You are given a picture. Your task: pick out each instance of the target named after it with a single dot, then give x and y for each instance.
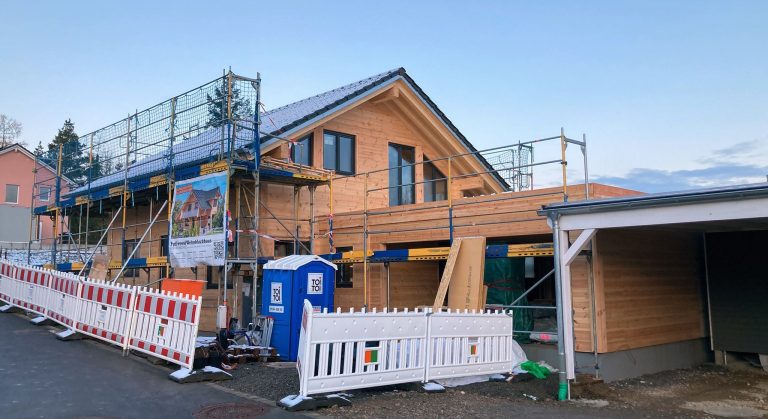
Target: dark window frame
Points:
(399, 187)
(130, 272)
(434, 181)
(345, 272)
(310, 140)
(337, 150)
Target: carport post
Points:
(563, 390)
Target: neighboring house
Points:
(199, 209)
(17, 184)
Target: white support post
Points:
(567, 304)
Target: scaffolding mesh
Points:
(212, 122)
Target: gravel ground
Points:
(706, 391)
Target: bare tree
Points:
(10, 130)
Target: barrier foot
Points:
(498, 378)
(295, 403)
(186, 375)
(432, 388)
(41, 321)
(68, 335)
(9, 309)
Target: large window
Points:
(302, 151)
(12, 194)
(339, 152)
(401, 174)
(435, 184)
(45, 193)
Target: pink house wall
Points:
(16, 168)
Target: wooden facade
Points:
(618, 303)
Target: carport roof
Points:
(725, 193)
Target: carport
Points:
(671, 271)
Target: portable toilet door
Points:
(287, 283)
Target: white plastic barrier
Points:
(165, 325)
(6, 276)
(64, 298)
(30, 288)
(344, 351)
(105, 311)
(464, 343)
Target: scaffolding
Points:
(113, 188)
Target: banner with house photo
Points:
(198, 234)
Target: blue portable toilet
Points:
(287, 283)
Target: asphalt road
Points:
(42, 377)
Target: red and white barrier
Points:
(64, 298)
(30, 289)
(165, 325)
(155, 322)
(105, 311)
(6, 278)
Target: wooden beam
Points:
(577, 245)
(445, 281)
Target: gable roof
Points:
(283, 122)
(20, 148)
(285, 119)
(203, 196)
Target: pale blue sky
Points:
(671, 94)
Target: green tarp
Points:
(505, 278)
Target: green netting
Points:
(505, 278)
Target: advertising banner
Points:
(198, 234)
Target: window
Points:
(435, 184)
(344, 271)
(128, 246)
(339, 152)
(401, 174)
(12, 194)
(302, 151)
(45, 193)
(286, 248)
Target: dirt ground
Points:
(706, 391)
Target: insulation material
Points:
(466, 290)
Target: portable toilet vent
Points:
(287, 283)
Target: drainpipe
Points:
(562, 390)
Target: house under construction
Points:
(371, 175)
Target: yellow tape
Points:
(218, 166)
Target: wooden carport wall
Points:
(587, 222)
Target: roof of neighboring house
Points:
(283, 121)
(204, 196)
(29, 154)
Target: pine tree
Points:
(74, 161)
(217, 105)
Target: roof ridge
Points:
(340, 88)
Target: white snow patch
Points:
(432, 387)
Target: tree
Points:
(10, 130)
(39, 150)
(217, 105)
(74, 162)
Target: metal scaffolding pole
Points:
(256, 178)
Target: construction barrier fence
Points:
(159, 323)
(350, 350)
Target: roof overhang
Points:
(741, 202)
